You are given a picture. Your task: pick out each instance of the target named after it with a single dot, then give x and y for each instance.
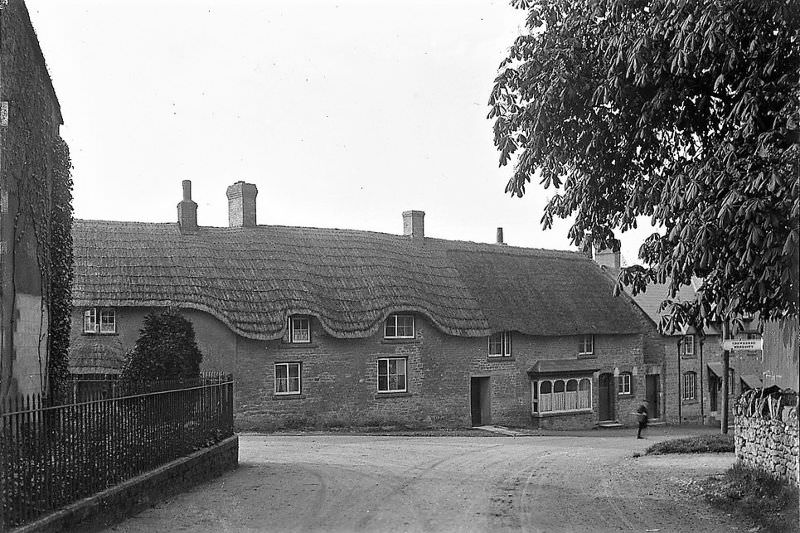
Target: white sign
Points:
(741, 345)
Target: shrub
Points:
(165, 350)
(698, 444)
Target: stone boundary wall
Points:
(768, 442)
(110, 506)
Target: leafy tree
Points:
(165, 349)
(685, 112)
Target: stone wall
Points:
(767, 438)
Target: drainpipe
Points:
(680, 381)
(702, 409)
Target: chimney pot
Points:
(414, 225)
(187, 210)
(187, 190)
(500, 236)
(242, 205)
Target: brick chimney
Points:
(187, 210)
(610, 257)
(414, 225)
(500, 236)
(242, 205)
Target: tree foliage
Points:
(685, 112)
(166, 349)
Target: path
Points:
(368, 483)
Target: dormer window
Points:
(299, 329)
(97, 320)
(399, 326)
(586, 345)
(500, 344)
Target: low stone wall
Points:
(130, 497)
(766, 435)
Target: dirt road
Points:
(367, 483)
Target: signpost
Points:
(741, 345)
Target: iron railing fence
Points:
(51, 456)
(82, 389)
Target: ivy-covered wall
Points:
(35, 215)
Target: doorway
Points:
(652, 394)
(480, 399)
(607, 391)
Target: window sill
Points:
(288, 396)
(625, 394)
(688, 356)
(587, 356)
(85, 334)
(381, 395)
(298, 345)
(500, 357)
(689, 402)
(408, 340)
(562, 413)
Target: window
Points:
(90, 321)
(399, 327)
(624, 383)
(299, 329)
(586, 346)
(392, 374)
(689, 386)
(287, 378)
(561, 395)
(688, 345)
(500, 344)
(96, 320)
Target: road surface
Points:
(370, 483)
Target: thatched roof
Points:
(96, 355)
(253, 278)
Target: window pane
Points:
(383, 383)
(559, 386)
(300, 330)
(383, 367)
(391, 326)
(572, 385)
(405, 326)
(547, 387)
(507, 339)
(495, 344)
(294, 371)
(107, 321)
(90, 321)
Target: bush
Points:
(166, 350)
(698, 444)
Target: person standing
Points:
(641, 414)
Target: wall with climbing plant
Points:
(35, 216)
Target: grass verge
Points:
(697, 444)
(755, 495)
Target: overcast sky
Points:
(343, 113)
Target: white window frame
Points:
(689, 389)
(688, 345)
(289, 380)
(624, 385)
(546, 403)
(501, 340)
(93, 321)
(393, 320)
(582, 348)
(293, 322)
(388, 361)
(102, 324)
(90, 317)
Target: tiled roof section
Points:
(656, 293)
(253, 278)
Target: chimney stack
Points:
(414, 225)
(610, 257)
(187, 210)
(242, 205)
(500, 236)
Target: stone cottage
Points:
(693, 363)
(332, 326)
